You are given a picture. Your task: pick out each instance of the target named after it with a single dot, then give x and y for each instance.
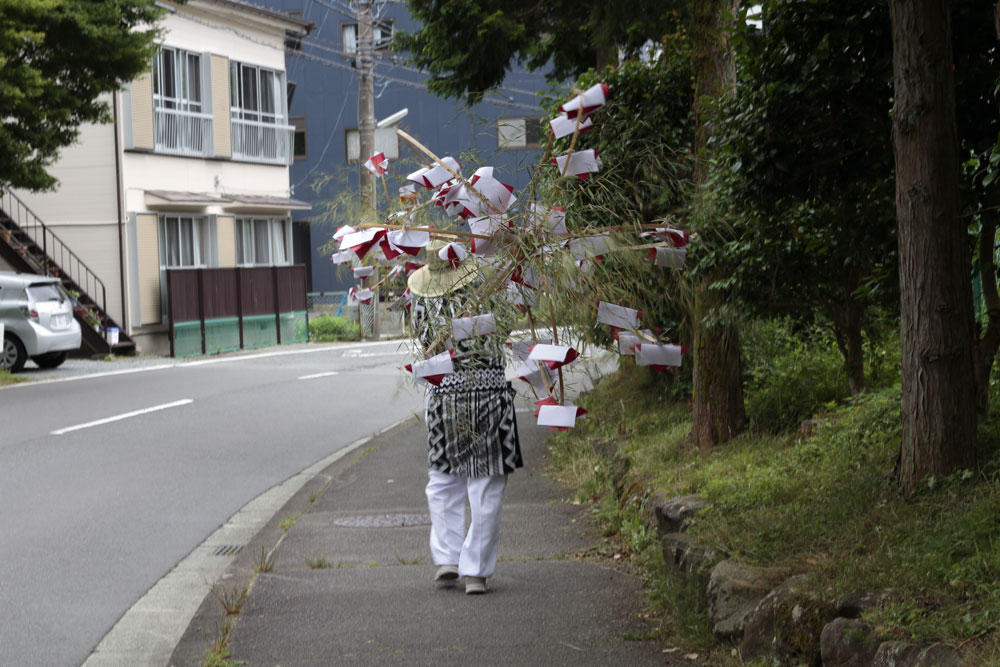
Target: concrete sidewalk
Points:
(352, 578)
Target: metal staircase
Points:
(29, 246)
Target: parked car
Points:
(37, 321)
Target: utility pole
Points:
(366, 127)
(366, 103)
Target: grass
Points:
(6, 377)
(231, 599)
(409, 561)
(828, 505)
(322, 564)
(264, 560)
(218, 654)
(370, 450)
(331, 328)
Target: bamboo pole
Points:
(451, 171)
(388, 199)
(541, 370)
(576, 134)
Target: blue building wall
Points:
(326, 94)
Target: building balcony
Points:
(183, 132)
(254, 141)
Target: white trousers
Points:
(475, 553)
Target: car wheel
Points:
(12, 354)
(50, 360)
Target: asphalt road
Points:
(107, 482)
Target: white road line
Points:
(126, 415)
(335, 347)
(364, 355)
(90, 376)
(319, 375)
(264, 355)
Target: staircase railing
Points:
(58, 259)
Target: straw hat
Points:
(437, 277)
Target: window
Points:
(177, 80)
(183, 240)
(259, 129)
(515, 133)
(261, 241)
(386, 141)
(180, 124)
(382, 35)
(293, 39)
(256, 94)
(299, 143)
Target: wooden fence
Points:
(222, 310)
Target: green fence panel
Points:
(187, 339)
(222, 335)
(294, 327)
(259, 331)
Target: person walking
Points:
(472, 441)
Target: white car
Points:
(37, 321)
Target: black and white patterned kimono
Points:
(471, 428)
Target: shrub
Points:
(329, 328)
(789, 375)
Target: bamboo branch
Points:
(431, 230)
(541, 370)
(385, 187)
(576, 134)
(451, 171)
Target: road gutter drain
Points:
(228, 550)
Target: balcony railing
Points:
(254, 141)
(183, 132)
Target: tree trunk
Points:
(850, 342)
(847, 321)
(985, 350)
(718, 411)
(938, 405)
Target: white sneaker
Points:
(475, 585)
(446, 573)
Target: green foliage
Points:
(788, 377)
(330, 328)
(773, 504)
(469, 46)
(643, 136)
(321, 563)
(829, 505)
(806, 177)
(57, 60)
(6, 377)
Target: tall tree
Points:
(57, 59)
(719, 413)
(469, 45)
(808, 173)
(976, 60)
(938, 404)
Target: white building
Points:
(194, 172)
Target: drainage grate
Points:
(228, 550)
(384, 520)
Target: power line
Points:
(341, 9)
(385, 60)
(330, 47)
(412, 84)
